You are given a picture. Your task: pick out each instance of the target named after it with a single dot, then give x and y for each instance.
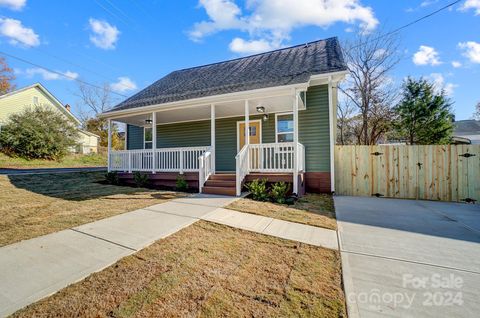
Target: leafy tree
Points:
(38, 133)
(99, 127)
(424, 115)
(6, 77)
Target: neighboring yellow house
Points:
(35, 96)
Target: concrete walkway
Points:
(283, 229)
(406, 258)
(33, 269)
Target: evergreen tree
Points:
(423, 115)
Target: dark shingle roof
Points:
(287, 66)
(467, 127)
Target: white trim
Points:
(332, 141)
(154, 140)
(144, 142)
(212, 136)
(109, 144)
(276, 120)
(126, 137)
(205, 101)
(295, 142)
(238, 131)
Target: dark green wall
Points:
(313, 134)
(314, 130)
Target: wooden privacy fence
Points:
(440, 172)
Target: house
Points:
(37, 95)
(467, 132)
(194, 122)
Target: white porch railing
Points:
(241, 160)
(181, 160)
(205, 163)
(271, 157)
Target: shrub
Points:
(258, 189)
(112, 177)
(279, 191)
(141, 179)
(38, 133)
(181, 184)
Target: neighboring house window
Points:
(35, 100)
(147, 138)
(284, 128)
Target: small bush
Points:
(38, 133)
(279, 191)
(181, 184)
(258, 189)
(112, 177)
(141, 179)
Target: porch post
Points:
(212, 135)
(125, 146)
(154, 141)
(247, 133)
(109, 146)
(295, 143)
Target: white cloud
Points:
(49, 76)
(456, 64)
(272, 21)
(13, 4)
(471, 50)
(242, 46)
(472, 4)
(104, 34)
(123, 85)
(17, 33)
(426, 55)
(428, 3)
(440, 84)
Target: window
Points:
(284, 127)
(35, 100)
(147, 138)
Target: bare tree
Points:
(370, 58)
(345, 111)
(94, 100)
(476, 115)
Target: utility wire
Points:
(408, 24)
(57, 72)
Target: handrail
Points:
(242, 170)
(205, 168)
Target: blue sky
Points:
(131, 43)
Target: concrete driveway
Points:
(406, 258)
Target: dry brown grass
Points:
(34, 205)
(311, 209)
(208, 270)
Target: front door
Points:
(255, 132)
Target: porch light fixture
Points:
(148, 121)
(260, 109)
(265, 117)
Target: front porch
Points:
(213, 152)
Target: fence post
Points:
(181, 161)
(129, 162)
(201, 174)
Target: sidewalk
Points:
(36, 268)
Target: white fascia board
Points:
(205, 101)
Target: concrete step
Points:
(223, 176)
(220, 190)
(220, 183)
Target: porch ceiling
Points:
(272, 105)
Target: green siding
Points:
(313, 134)
(314, 130)
(188, 134)
(134, 137)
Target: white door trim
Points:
(238, 131)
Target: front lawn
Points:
(311, 209)
(208, 270)
(33, 205)
(70, 161)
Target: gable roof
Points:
(56, 102)
(467, 127)
(293, 65)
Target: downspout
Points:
(332, 141)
